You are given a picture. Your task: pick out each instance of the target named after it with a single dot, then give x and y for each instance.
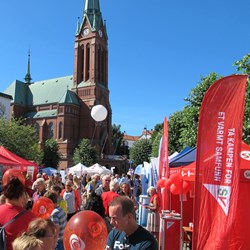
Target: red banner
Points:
(217, 164)
(187, 172)
(163, 169)
(163, 165)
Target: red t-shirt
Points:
(107, 197)
(16, 228)
(28, 187)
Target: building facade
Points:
(60, 108)
(5, 106)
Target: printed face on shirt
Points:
(117, 220)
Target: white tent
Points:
(78, 169)
(98, 169)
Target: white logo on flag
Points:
(245, 155)
(221, 194)
(247, 174)
(169, 224)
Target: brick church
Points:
(60, 108)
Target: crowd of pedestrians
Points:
(113, 197)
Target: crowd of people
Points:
(113, 197)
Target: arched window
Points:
(51, 130)
(60, 134)
(87, 63)
(81, 63)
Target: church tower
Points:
(90, 79)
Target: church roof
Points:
(42, 114)
(56, 90)
(69, 97)
(18, 91)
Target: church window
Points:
(87, 62)
(99, 65)
(60, 135)
(51, 130)
(82, 64)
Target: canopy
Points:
(11, 159)
(188, 171)
(6, 161)
(98, 169)
(184, 158)
(50, 171)
(78, 169)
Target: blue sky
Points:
(158, 50)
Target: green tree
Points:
(157, 129)
(156, 144)
(243, 66)
(140, 151)
(20, 139)
(191, 112)
(183, 125)
(175, 126)
(85, 153)
(118, 141)
(156, 138)
(51, 156)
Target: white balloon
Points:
(99, 113)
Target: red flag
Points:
(217, 170)
(164, 168)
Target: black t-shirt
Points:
(141, 239)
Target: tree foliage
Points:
(20, 138)
(51, 156)
(85, 153)
(140, 151)
(183, 125)
(156, 138)
(243, 66)
(118, 141)
(175, 126)
(156, 144)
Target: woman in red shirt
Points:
(153, 222)
(14, 192)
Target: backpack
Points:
(2, 231)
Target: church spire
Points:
(78, 26)
(92, 6)
(93, 13)
(27, 77)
